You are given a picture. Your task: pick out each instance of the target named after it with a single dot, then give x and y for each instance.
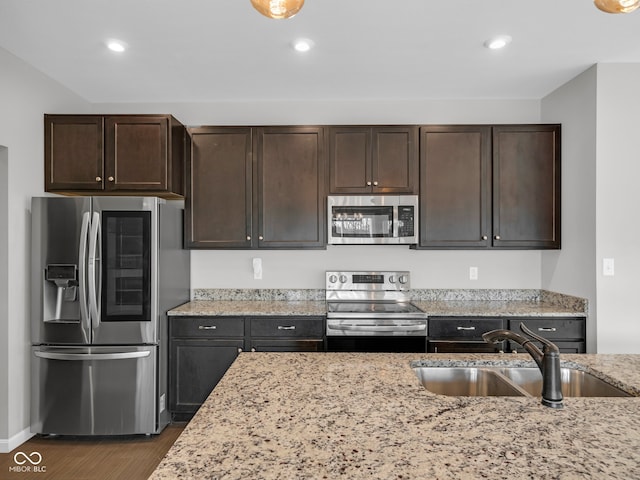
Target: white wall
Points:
(572, 269)
(305, 269)
(618, 225)
(4, 287)
(25, 95)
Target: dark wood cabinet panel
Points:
(201, 350)
(196, 368)
(490, 187)
(287, 334)
(74, 153)
(218, 209)
(365, 159)
(289, 190)
(569, 334)
(526, 186)
(119, 154)
(455, 186)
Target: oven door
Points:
(376, 335)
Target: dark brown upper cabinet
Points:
(218, 206)
(260, 187)
(380, 159)
(455, 186)
(526, 186)
(114, 154)
(490, 187)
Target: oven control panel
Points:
(387, 281)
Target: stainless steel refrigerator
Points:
(105, 270)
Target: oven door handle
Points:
(379, 328)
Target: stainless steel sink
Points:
(574, 383)
(467, 382)
(510, 381)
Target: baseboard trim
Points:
(8, 444)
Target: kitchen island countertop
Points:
(350, 415)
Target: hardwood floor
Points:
(130, 458)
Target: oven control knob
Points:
(403, 279)
(343, 279)
(392, 279)
(333, 279)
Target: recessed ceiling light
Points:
(116, 46)
(303, 45)
(498, 42)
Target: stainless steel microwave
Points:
(372, 219)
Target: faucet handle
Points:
(548, 345)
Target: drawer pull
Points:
(286, 327)
(466, 328)
(207, 327)
(547, 329)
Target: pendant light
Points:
(617, 6)
(278, 8)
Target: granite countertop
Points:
(514, 308)
(431, 307)
(250, 308)
(352, 416)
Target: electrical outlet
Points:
(473, 273)
(608, 267)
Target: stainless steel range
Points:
(372, 311)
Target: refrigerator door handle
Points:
(82, 280)
(91, 356)
(94, 260)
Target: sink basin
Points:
(466, 382)
(510, 381)
(575, 383)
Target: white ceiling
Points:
(223, 50)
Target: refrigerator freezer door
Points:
(94, 390)
(59, 229)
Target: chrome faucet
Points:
(548, 360)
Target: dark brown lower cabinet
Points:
(203, 348)
(201, 351)
(287, 334)
(569, 333)
(462, 335)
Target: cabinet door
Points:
(455, 186)
(350, 160)
(73, 153)
(137, 153)
(394, 160)
(290, 193)
(196, 368)
(218, 203)
(526, 182)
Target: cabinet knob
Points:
(111, 179)
(375, 184)
(239, 350)
(248, 237)
(98, 179)
(484, 237)
(368, 184)
(260, 237)
(253, 349)
(497, 237)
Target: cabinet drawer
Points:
(461, 327)
(207, 327)
(552, 328)
(312, 327)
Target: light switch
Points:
(608, 267)
(257, 269)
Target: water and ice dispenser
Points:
(60, 291)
